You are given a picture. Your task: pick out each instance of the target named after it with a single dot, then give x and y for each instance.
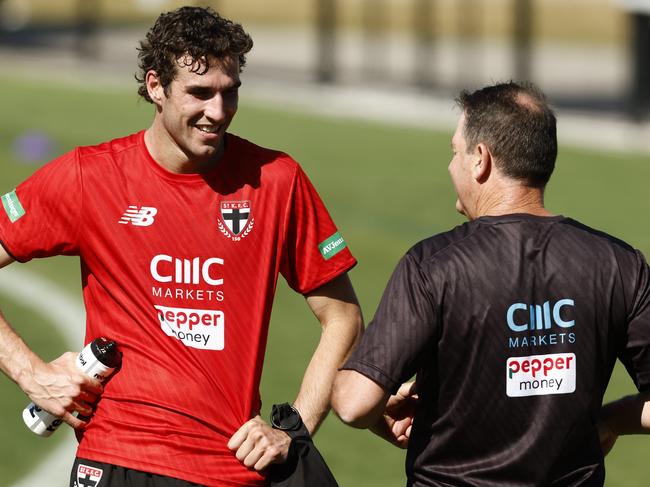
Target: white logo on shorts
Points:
(88, 476)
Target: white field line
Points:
(67, 315)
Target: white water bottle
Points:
(98, 359)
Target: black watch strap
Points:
(287, 418)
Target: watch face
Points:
(285, 417)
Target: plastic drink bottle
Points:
(98, 359)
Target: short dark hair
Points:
(518, 126)
(193, 31)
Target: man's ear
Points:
(154, 87)
(482, 164)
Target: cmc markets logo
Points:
(165, 268)
(538, 317)
(539, 375)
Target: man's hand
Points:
(396, 422)
(257, 445)
(60, 388)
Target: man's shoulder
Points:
(115, 159)
(431, 247)
(86, 157)
(462, 237)
(594, 235)
(109, 148)
(259, 155)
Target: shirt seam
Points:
(287, 211)
(350, 366)
(80, 222)
(331, 275)
(4, 246)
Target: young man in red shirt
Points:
(182, 230)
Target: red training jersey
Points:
(180, 270)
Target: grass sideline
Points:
(386, 187)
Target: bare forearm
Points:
(358, 400)
(58, 387)
(337, 309)
(336, 342)
(629, 415)
(17, 360)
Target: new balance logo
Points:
(142, 217)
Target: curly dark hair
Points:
(516, 122)
(193, 31)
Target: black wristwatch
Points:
(287, 418)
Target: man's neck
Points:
(170, 156)
(512, 199)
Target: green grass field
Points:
(386, 186)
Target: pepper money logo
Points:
(196, 328)
(540, 375)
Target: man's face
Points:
(460, 169)
(197, 109)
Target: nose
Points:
(215, 108)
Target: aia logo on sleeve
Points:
(140, 217)
(235, 220)
(88, 476)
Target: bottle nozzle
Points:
(106, 352)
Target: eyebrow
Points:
(236, 85)
(200, 87)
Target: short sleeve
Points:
(402, 332)
(635, 353)
(315, 252)
(41, 217)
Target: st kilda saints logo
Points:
(88, 476)
(235, 220)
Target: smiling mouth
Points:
(208, 129)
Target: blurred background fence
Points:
(586, 54)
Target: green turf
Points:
(386, 187)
